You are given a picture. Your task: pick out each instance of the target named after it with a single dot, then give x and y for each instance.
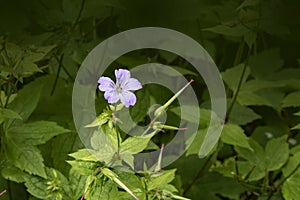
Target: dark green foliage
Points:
(254, 43)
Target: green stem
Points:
(79, 14)
(239, 53)
(57, 74)
(234, 98)
(266, 181)
(288, 176)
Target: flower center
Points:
(118, 88)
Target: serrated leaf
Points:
(272, 158)
(161, 179)
(136, 144)
(84, 155)
(13, 174)
(28, 64)
(25, 157)
(27, 100)
(84, 168)
(103, 146)
(234, 135)
(35, 133)
(41, 189)
(100, 120)
(77, 183)
(8, 114)
(102, 189)
(133, 183)
(62, 145)
(291, 187)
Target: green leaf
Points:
(84, 168)
(236, 31)
(63, 145)
(252, 99)
(8, 114)
(272, 158)
(35, 133)
(291, 100)
(104, 147)
(197, 142)
(77, 183)
(291, 187)
(276, 153)
(296, 127)
(28, 64)
(256, 157)
(248, 3)
(242, 115)
(297, 113)
(232, 76)
(25, 157)
(157, 181)
(136, 144)
(265, 63)
(114, 177)
(84, 155)
(256, 84)
(133, 182)
(245, 169)
(12, 173)
(27, 99)
(234, 135)
(56, 186)
(102, 189)
(211, 184)
(100, 120)
(139, 110)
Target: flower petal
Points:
(106, 84)
(111, 96)
(122, 75)
(131, 84)
(127, 98)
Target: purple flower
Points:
(121, 90)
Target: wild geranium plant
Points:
(104, 163)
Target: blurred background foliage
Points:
(254, 43)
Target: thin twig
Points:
(57, 74)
